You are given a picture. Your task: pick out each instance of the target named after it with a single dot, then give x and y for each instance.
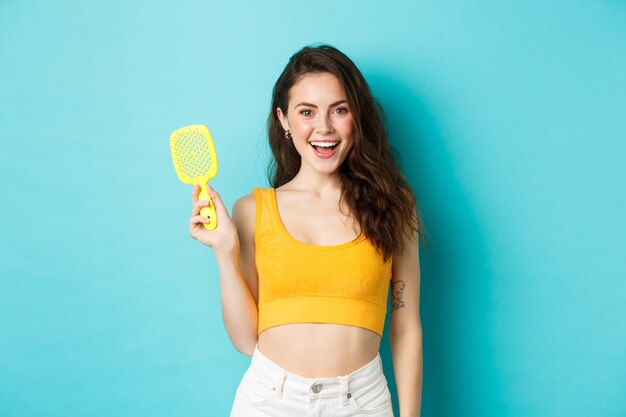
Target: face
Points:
(320, 121)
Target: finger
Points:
(220, 209)
(194, 193)
(202, 203)
(198, 206)
(194, 199)
(198, 219)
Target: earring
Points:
(288, 134)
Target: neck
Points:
(316, 181)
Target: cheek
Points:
(303, 128)
(346, 126)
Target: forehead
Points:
(320, 89)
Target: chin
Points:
(329, 170)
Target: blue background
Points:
(510, 119)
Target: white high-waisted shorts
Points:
(268, 390)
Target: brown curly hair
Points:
(373, 187)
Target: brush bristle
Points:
(192, 153)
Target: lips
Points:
(324, 149)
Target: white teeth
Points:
(324, 144)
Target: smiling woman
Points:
(322, 127)
(306, 265)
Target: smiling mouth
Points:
(323, 145)
(324, 149)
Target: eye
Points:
(305, 112)
(341, 110)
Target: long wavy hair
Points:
(373, 188)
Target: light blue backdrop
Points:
(511, 123)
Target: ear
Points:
(283, 118)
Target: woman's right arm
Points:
(232, 242)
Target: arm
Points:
(233, 244)
(244, 214)
(405, 331)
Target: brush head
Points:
(193, 154)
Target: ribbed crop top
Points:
(305, 283)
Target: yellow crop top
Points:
(304, 283)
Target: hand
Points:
(224, 237)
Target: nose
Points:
(324, 124)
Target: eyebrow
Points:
(313, 105)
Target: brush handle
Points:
(208, 212)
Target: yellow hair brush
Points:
(195, 162)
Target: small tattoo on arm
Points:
(396, 295)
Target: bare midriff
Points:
(319, 350)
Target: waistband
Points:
(282, 380)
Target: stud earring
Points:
(288, 134)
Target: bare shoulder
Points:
(245, 204)
(244, 212)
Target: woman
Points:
(305, 266)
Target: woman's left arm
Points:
(405, 331)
